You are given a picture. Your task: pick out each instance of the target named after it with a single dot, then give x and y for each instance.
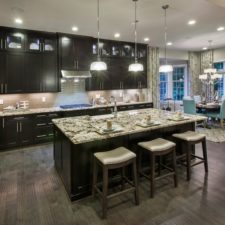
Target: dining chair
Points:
(220, 115)
(197, 99)
(189, 106)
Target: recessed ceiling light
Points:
(117, 35)
(146, 39)
(204, 48)
(74, 28)
(220, 28)
(18, 21)
(191, 22)
(169, 43)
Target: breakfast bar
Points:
(76, 139)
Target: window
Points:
(219, 85)
(174, 85)
(163, 86)
(178, 83)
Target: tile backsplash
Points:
(72, 93)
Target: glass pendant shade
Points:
(135, 67)
(98, 66)
(165, 69)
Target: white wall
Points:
(219, 54)
(174, 54)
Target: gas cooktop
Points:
(75, 106)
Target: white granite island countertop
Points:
(86, 128)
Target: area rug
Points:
(213, 134)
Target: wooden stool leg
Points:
(204, 149)
(95, 175)
(188, 160)
(159, 165)
(175, 167)
(122, 178)
(105, 191)
(139, 160)
(136, 193)
(152, 178)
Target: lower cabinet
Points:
(18, 131)
(43, 127)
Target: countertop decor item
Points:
(135, 67)
(98, 65)
(166, 68)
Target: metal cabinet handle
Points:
(17, 127)
(21, 127)
(2, 88)
(40, 136)
(1, 44)
(5, 44)
(77, 64)
(3, 122)
(6, 88)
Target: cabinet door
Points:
(26, 131)
(83, 54)
(33, 44)
(11, 132)
(2, 133)
(67, 53)
(50, 79)
(33, 72)
(117, 71)
(14, 79)
(15, 41)
(2, 71)
(49, 44)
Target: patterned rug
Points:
(213, 134)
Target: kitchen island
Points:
(77, 138)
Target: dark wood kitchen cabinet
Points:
(28, 61)
(2, 133)
(74, 52)
(14, 76)
(2, 71)
(18, 131)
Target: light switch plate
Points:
(1, 102)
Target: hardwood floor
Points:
(31, 193)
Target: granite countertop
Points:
(86, 128)
(58, 109)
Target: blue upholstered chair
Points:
(220, 115)
(189, 106)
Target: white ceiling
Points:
(117, 16)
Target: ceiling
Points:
(117, 16)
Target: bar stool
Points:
(114, 159)
(158, 147)
(188, 140)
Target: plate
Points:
(156, 123)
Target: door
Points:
(33, 72)
(83, 53)
(2, 133)
(11, 132)
(14, 79)
(67, 54)
(26, 131)
(50, 81)
(2, 72)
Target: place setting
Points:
(148, 122)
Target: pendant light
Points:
(166, 68)
(98, 65)
(135, 67)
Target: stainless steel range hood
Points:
(70, 74)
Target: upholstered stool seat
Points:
(118, 155)
(158, 148)
(118, 158)
(190, 136)
(157, 145)
(188, 140)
